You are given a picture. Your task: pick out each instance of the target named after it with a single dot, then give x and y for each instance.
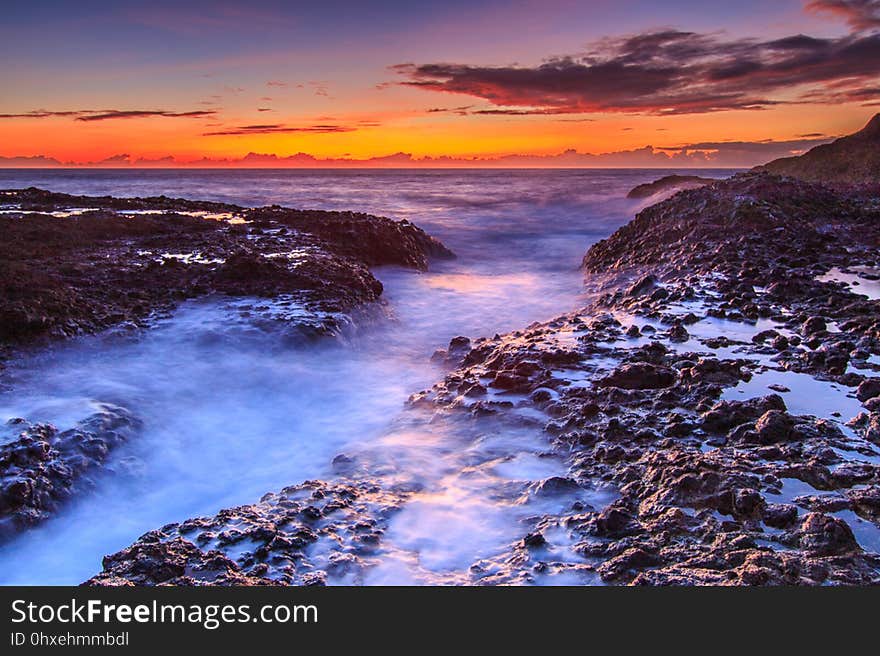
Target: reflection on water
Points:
(231, 412)
(480, 494)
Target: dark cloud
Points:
(141, 113)
(320, 88)
(859, 14)
(121, 158)
(108, 114)
(666, 72)
(277, 128)
(276, 83)
(461, 111)
(516, 112)
(40, 113)
(838, 94)
(265, 109)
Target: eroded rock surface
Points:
(41, 467)
(76, 264)
(709, 290)
(298, 536)
(73, 265)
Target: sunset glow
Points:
(162, 84)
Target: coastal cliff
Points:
(850, 160)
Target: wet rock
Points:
(459, 346)
(748, 504)
(668, 183)
(774, 426)
(639, 375)
(44, 467)
(725, 415)
(343, 463)
(626, 564)
(556, 486)
(780, 343)
(303, 535)
(780, 515)
(616, 521)
(872, 429)
(174, 562)
(814, 325)
(534, 540)
(853, 473)
(823, 535)
(104, 268)
(643, 285)
(678, 333)
(866, 502)
(868, 389)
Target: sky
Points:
(382, 83)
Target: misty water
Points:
(231, 411)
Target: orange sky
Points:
(152, 81)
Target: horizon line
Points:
(372, 168)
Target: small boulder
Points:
(868, 389)
(814, 325)
(639, 375)
(824, 535)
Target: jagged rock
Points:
(639, 375)
(868, 389)
(103, 268)
(43, 467)
(823, 535)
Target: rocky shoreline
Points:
(716, 403)
(712, 289)
(119, 261)
(723, 384)
(75, 265)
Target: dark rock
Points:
(42, 467)
(823, 535)
(642, 286)
(725, 415)
(668, 183)
(556, 486)
(780, 515)
(678, 333)
(616, 521)
(639, 375)
(102, 268)
(813, 325)
(868, 389)
(534, 540)
(774, 426)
